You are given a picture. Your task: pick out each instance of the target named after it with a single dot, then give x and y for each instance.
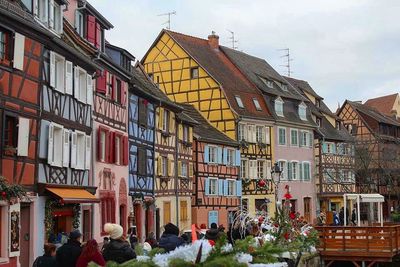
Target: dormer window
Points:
(267, 82)
(317, 102)
(239, 101)
(303, 112)
(279, 106)
(257, 104)
(194, 73)
(284, 87)
(318, 121)
(338, 125)
(79, 23)
(50, 13)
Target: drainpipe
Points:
(176, 172)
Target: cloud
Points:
(345, 49)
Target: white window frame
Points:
(295, 170)
(279, 107)
(242, 132)
(279, 136)
(103, 134)
(184, 169)
(257, 104)
(165, 120)
(57, 72)
(58, 17)
(56, 158)
(260, 130)
(239, 101)
(79, 22)
(305, 163)
(80, 89)
(283, 166)
(261, 169)
(230, 157)
(292, 135)
(117, 143)
(80, 150)
(244, 168)
(232, 183)
(253, 169)
(213, 154)
(164, 166)
(214, 182)
(302, 111)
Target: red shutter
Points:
(114, 88)
(91, 29)
(125, 150)
(107, 154)
(124, 89)
(98, 35)
(101, 82)
(99, 144)
(111, 154)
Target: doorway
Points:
(158, 224)
(25, 235)
(87, 233)
(122, 217)
(307, 209)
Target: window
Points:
(102, 134)
(282, 166)
(253, 169)
(142, 161)
(80, 84)
(118, 149)
(5, 47)
(10, 132)
(80, 150)
(317, 102)
(231, 187)
(213, 154)
(282, 136)
(55, 145)
(57, 71)
(241, 132)
(194, 73)
(306, 171)
(284, 87)
(295, 170)
(239, 101)
(338, 125)
(118, 91)
(279, 107)
(50, 14)
(267, 82)
(261, 169)
(303, 112)
(213, 186)
(58, 18)
(79, 23)
(164, 166)
(165, 120)
(329, 176)
(183, 210)
(142, 112)
(244, 169)
(260, 137)
(16, 135)
(257, 104)
(306, 139)
(251, 133)
(28, 4)
(318, 121)
(230, 157)
(185, 133)
(184, 169)
(294, 135)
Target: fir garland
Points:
(10, 191)
(51, 204)
(76, 221)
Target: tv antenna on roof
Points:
(169, 18)
(233, 40)
(288, 60)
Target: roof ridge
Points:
(186, 35)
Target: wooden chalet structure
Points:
(217, 187)
(334, 152)
(85, 27)
(377, 151)
(197, 71)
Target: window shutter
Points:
(60, 17)
(88, 152)
(111, 147)
(170, 167)
(206, 154)
(23, 137)
(219, 155)
(179, 168)
(190, 134)
(99, 144)
(160, 118)
(52, 69)
(237, 157)
(264, 163)
(324, 148)
(289, 164)
(180, 131)
(301, 176)
(98, 36)
(50, 144)
(43, 16)
(267, 135)
(74, 137)
(125, 150)
(225, 156)
(191, 169)
(19, 51)
(239, 188)
(51, 14)
(254, 133)
(206, 186)
(101, 81)
(171, 126)
(225, 187)
(114, 88)
(68, 77)
(124, 86)
(91, 29)
(89, 89)
(221, 188)
(36, 8)
(66, 148)
(76, 83)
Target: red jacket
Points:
(97, 258)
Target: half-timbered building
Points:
(197, 71)
(334, 153)
(86, 27)
(377, 151)
(217, 187)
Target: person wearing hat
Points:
(118, 249)
(67, 255)
(170, 239)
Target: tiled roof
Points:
(218, 65)
(383, 104)
(373, 113)
(329, 132)
(204, 131)
(302, 85)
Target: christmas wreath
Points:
(262, 184)
(50, 206)
(10, 191)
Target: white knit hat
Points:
(114, 230)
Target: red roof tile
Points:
(383, 104)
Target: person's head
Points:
(106, 240)
(171, 229)
(90, 249)
(214, 226)
(115, 231)
(132, 231)
(75, 235)
(50, 250)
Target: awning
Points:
(365, 198)
(73, 195)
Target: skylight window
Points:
(267, 82)
(239, 101)
(284, 87)
(257, 104)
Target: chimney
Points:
(213, 40)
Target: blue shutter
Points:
(206, 186)
(212, 217)
(333, 148)
(324, 148)
(206, 154)
(221, 187)
(219, 155)
(289, 164)
(225, 156)
(225, 187)
(301, 177)
(237, 157)
(239, 188)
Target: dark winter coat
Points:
(45, 261)
(213, 234)
(68, 254)
(170, 242)
(119, 251)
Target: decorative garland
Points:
(76, 222)
(10, 191)
(262, 184)
(52, 204)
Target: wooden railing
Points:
(353, 242)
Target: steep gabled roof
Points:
(329, 132)
(218, 65)
(373, 113)
(204, 131)
(383, 104)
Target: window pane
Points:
(239, 101)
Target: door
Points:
(167, 212)
(25, 235)
(122, 217)
(307, 209)
(86, 225)
(212, 217)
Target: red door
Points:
(25, 235)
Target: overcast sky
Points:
(346, 49)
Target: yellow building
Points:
(197, 71)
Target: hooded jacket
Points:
(68, 254)
(118, 251)
(170, 242)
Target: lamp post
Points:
(276, 173)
